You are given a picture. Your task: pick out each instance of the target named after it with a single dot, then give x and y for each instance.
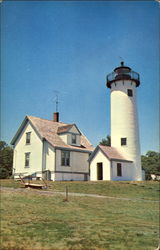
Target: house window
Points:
(123, 141)
(119, 169)
(73, 139)
(65, 158)
(130, 92)
(27, 159)
(28, 137)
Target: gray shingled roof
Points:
(110, 152)
(48, 129)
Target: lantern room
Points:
(122, 73)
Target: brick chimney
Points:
(56, 116)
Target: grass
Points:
(140, 190)
(31, 220)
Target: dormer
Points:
(70, 134)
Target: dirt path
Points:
(45, 192)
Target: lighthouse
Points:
(123, 83)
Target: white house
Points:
(155, 177)
(122, 161)
(106, 163)
(51, 149)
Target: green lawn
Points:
(140, 190)
(30, 220)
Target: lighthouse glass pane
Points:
(123, 141)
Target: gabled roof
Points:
(47, 130)
(110, 152)
(66, 128)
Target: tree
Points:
(106, 142)
(6, 160)
(151, 163)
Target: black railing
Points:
(131, 75)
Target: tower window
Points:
(119, 169)
(123, 141)
(28, 137)
(65, 158)
(130, 92)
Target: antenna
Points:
(57, 102)
(56, 99)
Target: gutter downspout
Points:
(111, 167)
(55, 162)
(43, 155)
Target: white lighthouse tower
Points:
(123, 83)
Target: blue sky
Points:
(70, 47)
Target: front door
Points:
(100, 171)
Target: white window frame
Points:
(28, 137)
(27, 159)
(65, 158)
(74, 138)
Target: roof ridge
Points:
(68, 124)
(109, 147)
(65, 124)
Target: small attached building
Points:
(106, 163)
(50, 149)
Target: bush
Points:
(6, 160)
